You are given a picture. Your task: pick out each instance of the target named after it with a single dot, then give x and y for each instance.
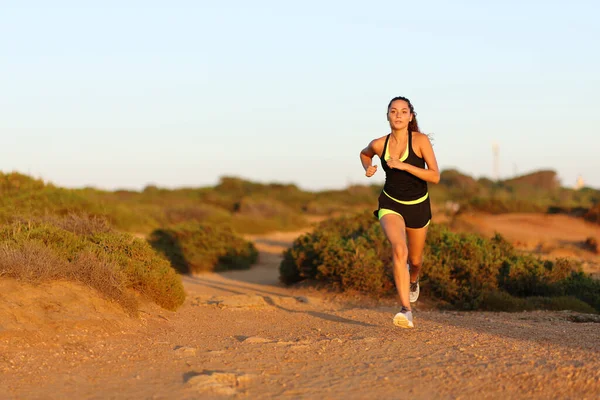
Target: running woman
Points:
(404, 210)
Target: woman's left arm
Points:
(431, 173)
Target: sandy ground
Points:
(242, 335)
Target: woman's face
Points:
(399, 115)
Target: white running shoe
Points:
(404, 319)
(413, 295)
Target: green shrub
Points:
(460, 267)
(344, 251)
(466, 271)
(581, 286)
(86, 251)
(146, 271)
(194, 248)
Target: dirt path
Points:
(242, 335)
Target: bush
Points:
(90, 254)
(460, 267)
(581, 286)
(345, 251)
(146, 271)
(194, 248)
(464, 270)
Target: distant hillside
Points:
(455, 180)
(251, 207)
(545, 180)
(538, 191)
(245, 206)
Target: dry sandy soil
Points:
(242, 335)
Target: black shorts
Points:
(415, 215)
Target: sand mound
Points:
(55, 305)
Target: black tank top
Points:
(402, 185)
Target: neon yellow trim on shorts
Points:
(385, 211)
(424, 226)
(387, 152)
(411, 202)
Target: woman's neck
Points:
(399, 133)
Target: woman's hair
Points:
(413, 125)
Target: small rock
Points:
(216, 382)
(185, 351)
(219, 383)
(299, 347)
(369, 339)
(245, 379)
(257, 339)
(583, 318)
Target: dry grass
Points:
(80, 224)
(33, 262)
(84, 249)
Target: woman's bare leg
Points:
(416, 245)
(394, 228)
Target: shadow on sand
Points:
(265, 294)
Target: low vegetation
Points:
(88, 251)
(462, 271)
(535, 192)
(44, 237)
(194, 248)
(250, 207)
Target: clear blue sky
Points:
(128, 93)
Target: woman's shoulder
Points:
(377, 144)
(420, 137)
(379, 140)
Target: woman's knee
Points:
(415, 261)
(400, 250)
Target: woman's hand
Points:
(371, 170)
(396, 163)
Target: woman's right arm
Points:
(366, 158)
